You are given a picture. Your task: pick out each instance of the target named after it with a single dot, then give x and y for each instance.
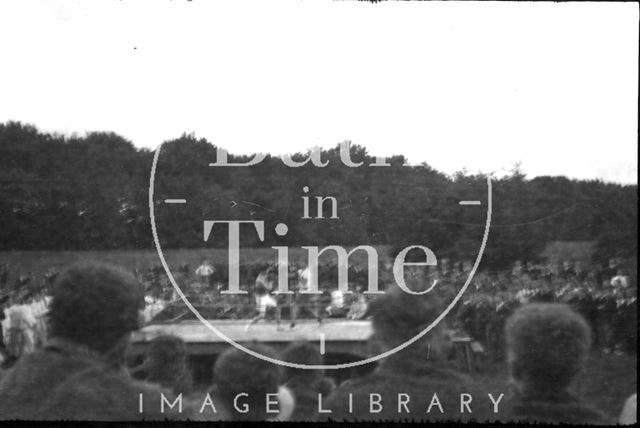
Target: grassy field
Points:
(37, 263)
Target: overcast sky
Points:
(459, 85)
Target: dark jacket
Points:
(67, 381)
(554, 408)
(410, 373)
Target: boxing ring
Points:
(340, 337)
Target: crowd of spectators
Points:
(92, 309)
(606, 296)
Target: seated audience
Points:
(305, 384)
(247, 388)
(547, 346)
(166, 364)
(416, 383)
(79, 373)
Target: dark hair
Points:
(96, 305)
(547, 345)
(237, 372)
(398, 316)
(302, 352)
(166, 363)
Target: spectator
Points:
(153, 306)
(621, 280)
(39, 307)
(20, 326)
(419, 371)
(547, 346)
(166, 364)
(305, 384)
(243, 382)
(79, 373)
(205, 272)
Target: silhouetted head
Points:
(236, 372)
(547, 346)
(96, 305)
(302, 353)
(166, 362)
(399, 316)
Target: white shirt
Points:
(337, 298)
(205, 270)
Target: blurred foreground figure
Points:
(24, 322)
(79, 373)
(629, 415)
(249, 388)
(20, 325)
(305, 384)
(416, 383)
(166, 364)
(547, 347)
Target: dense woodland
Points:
(91, 192)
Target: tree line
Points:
(91, 192)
